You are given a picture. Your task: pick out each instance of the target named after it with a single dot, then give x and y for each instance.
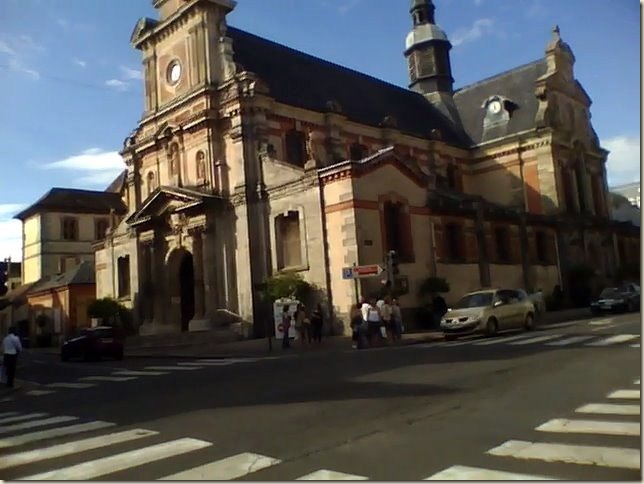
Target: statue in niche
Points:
(201, 165)
(174, 159)
(315, 149)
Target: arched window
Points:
(151, 182)
(201, 166)
(287, 240)
(296, 148)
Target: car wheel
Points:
(529, 322)
(492, 327)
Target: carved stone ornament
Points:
(178, 222)
(315, 148)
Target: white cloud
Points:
(10, 239)
(26, 42)
(480, 27)
(79, 62)
(116, 84)
(131, 74)
(17, 66)
(10, 209)
(6, 49)
(16, 47)
(92, 167)
(623, 165)
(68, 26)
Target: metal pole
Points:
(356, 286)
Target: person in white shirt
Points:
(11, 347)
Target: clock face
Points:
(495, 107)
(174, 72)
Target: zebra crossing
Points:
(593, 421)
(548, 340)
(70, 442)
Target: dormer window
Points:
(499, 107)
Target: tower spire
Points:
(422, 12)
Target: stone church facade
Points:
(253, 159)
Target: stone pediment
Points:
(165, 201)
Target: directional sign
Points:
(359, 272)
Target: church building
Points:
(252, 159)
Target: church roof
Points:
(308, 82)
(83, 273)
(518, 85)
(118, 183)
(72, 200)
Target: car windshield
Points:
(476, 300)
(609, 293)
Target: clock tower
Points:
(427, 52)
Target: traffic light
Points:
(391, 262)
(4, 276)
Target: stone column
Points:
(158, 281)
(210, 300)
(197, 249)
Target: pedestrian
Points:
(317, 322)
(373, 321)
(286, 326)
(356, 321)
(396, 316)
(11, 348)
(439, 308)
(385, 315)
(302, 324)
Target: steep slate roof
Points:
(117, 185)
(518, 85)
(304, 81)
(75, 201)
(83, 273)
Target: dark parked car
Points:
(625, 298)
(94, 343)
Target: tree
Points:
(111, 313)
(289, 285)
(432, 285)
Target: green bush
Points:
(112, 313)
(289, 285)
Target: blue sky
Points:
(71, 89)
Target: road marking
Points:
(326, 475)
(636, 345)
(167, 368)
(21, 417)
(604, 328)
(560, 325)
(537, 339)
(466, 473)
(572, 454)
(456, 343)
(8, 414)
(609, 409)
(139, 373)
(569, 341)
(119, 462)
(620, 338)
(55, 432)
(107, 378)
(233, 360)
(636, 382)
(599, 322)
(501, 340)
(564, 425)
(202, 364)
(71, 385)
(225, 469)
(35, 423)
(37, 393)
(21, 458)
(632, 394)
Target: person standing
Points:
(11, 348)
(317, 322)
(396, 318)
(286, 326)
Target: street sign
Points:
(359, 272)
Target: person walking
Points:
(302, 324)
(11, 348)
(386, 316)
(396, 319)
(374, 322)
(286, 326)
(317, 322)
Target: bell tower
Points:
(427, 52)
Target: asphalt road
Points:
(517, 403)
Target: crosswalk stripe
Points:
(619, 338)
(537, 339)
(21, 417)
(21, 458)
(170, 368)
(457, 343)
(572, 454)
(71, 385)
(35, 423)
(609, 409)
(233, 360)
(119, 462)
(636, 345)
(139, 373)
(466, 473)
(636, 382)
(630, 394)
(225, 469)
(569, 341)
(326, 475)
(8, 414)
(499, 340)
(564, 425)
(202, 364)
(51, 433)
(107, 378)
(37, 393)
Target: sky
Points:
(71, 87)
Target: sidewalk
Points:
(259, 347)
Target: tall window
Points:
(454, 241)
(288, 243)
(295, 148)
(393, 214)
(580, 176)
(598, 195)
(357, 151)
(123, 272)
(69, 228)
(541, 246)
(100, 228)
(568, 189)
(451, 177)
(502, 242)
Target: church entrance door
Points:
(187, 290)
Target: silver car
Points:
(488, 311)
